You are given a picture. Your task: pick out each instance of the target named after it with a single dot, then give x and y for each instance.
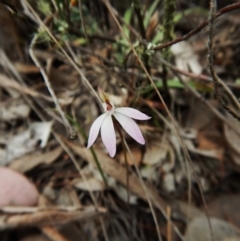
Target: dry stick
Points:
(158, 93)
(49, 87)
(197, 29)
(212, 13)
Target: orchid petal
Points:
(108, 135)
(133, 113)
(95, 129)
(130, 126)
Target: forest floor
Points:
(182, 182)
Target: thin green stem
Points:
(82, 132)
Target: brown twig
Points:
(49, 217)
(212, 16)
(197, 29)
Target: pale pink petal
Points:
(130, 126)
(108, 135)
(95, 129)
(133, 113)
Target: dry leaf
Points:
(156, 153)
(217, 153)
(26, 68)
(62, 80)
(137, 155)
(169, 182)
(119, 100)
(226, 207)
(14, 109)
(150, 173)
(123, 193)
(232, 138)
(90, 184)
(185, 58)
(153, 23)
(28, 162)
(26, 141)
(199, 230)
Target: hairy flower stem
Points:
(168, 27)
(118, 127)
(82, 132)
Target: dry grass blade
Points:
(30, 161)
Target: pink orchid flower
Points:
(104, 122)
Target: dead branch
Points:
(212, 17)
(199, 28)
(48, 217)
